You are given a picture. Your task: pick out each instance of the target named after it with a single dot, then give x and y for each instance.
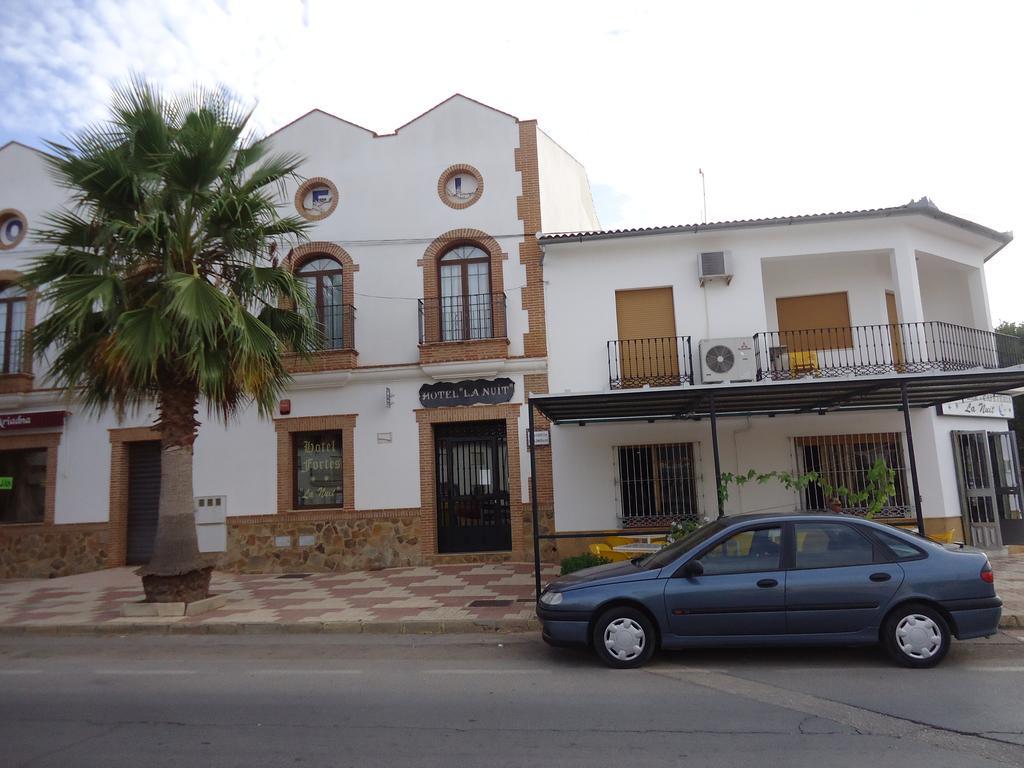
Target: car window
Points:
(903, 550)
(675, 549)
(830, 545)
(745, 552)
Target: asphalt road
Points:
(487, 700)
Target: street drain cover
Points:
(490, 603)
(293, 576)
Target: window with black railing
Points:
(324, 280)
(663, 361)
(883, 348)
(13, 311)
(464, 317)
(657, 484)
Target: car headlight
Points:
(551, 598)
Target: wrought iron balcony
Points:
(12, 358)
(664, 361)
(336, 327)
(462, 318)
(879, 349)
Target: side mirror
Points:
(692, 569)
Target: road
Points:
(488, 700)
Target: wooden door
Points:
(895, 336)
(648, 347)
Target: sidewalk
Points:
(438, 599)
(444, 598)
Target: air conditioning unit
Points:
(712, 266)
(727, 360)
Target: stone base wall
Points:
(328, 541)
(48, 551)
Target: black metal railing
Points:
(12, 351)
(462, 318)
(336, 326)
(885, 348)
(663, 361)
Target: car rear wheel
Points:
(916, 636)
(624, 638)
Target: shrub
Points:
(579, 562)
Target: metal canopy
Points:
(808, 395)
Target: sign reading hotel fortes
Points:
(990, 406)
(471, 392)
(35, 420)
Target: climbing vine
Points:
(879, 486)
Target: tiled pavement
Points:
(444, 598)
(421, 599)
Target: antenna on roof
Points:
(704, 195)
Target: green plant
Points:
(879, 486)
(682, 528)
(579, 562)
(164, 288)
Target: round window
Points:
(316, 198)
(13, 228)
(460, 186)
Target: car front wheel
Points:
(916, 636)
(624, 638)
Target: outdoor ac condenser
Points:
(727, 360)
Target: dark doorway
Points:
(472, 487)
(143, 500)
(1006, 469)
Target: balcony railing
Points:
(12, 351)
(462, 318)
(336, 327)
(663, 361)
(880, 349)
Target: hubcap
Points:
(624, 639)
(918, 636)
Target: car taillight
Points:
(986, 574)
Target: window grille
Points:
(844, 461)
(656, 484)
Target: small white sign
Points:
(988, 406)
(541, 437)
(384, 437)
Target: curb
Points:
(163, 627)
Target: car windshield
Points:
(665, 556)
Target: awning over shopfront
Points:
(808, 395)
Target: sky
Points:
(788, 107)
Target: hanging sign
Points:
(35, 420)
(470, 392)
(988, 406)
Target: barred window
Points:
(657, 484)
(844, 461)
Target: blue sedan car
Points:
(774, 580)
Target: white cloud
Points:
(788, 107)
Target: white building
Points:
(797, 333)
(403, 441)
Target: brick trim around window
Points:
(286, 428)
(49, 441)
(22, 381)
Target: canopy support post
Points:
(533, 499)
(714, 450)
(913, 457)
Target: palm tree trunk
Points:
(176, 572)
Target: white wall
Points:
(584, 461)
(945, 290)
(566, 204)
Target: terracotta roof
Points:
(924, 206)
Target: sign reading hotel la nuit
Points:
(471, 392)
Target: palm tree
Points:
(162, 286)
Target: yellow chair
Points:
(946, 537)
(615, 541)
(801, 362)
(603, 550)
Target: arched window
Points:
(323, 278)
(13, 306)
(465, 277)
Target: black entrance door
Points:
(472, 487)
(1006, 470)
(143, 498)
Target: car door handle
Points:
(880, 576)
(767, 583)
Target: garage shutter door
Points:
(143, 500)
(821, 321)
(647, 328)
